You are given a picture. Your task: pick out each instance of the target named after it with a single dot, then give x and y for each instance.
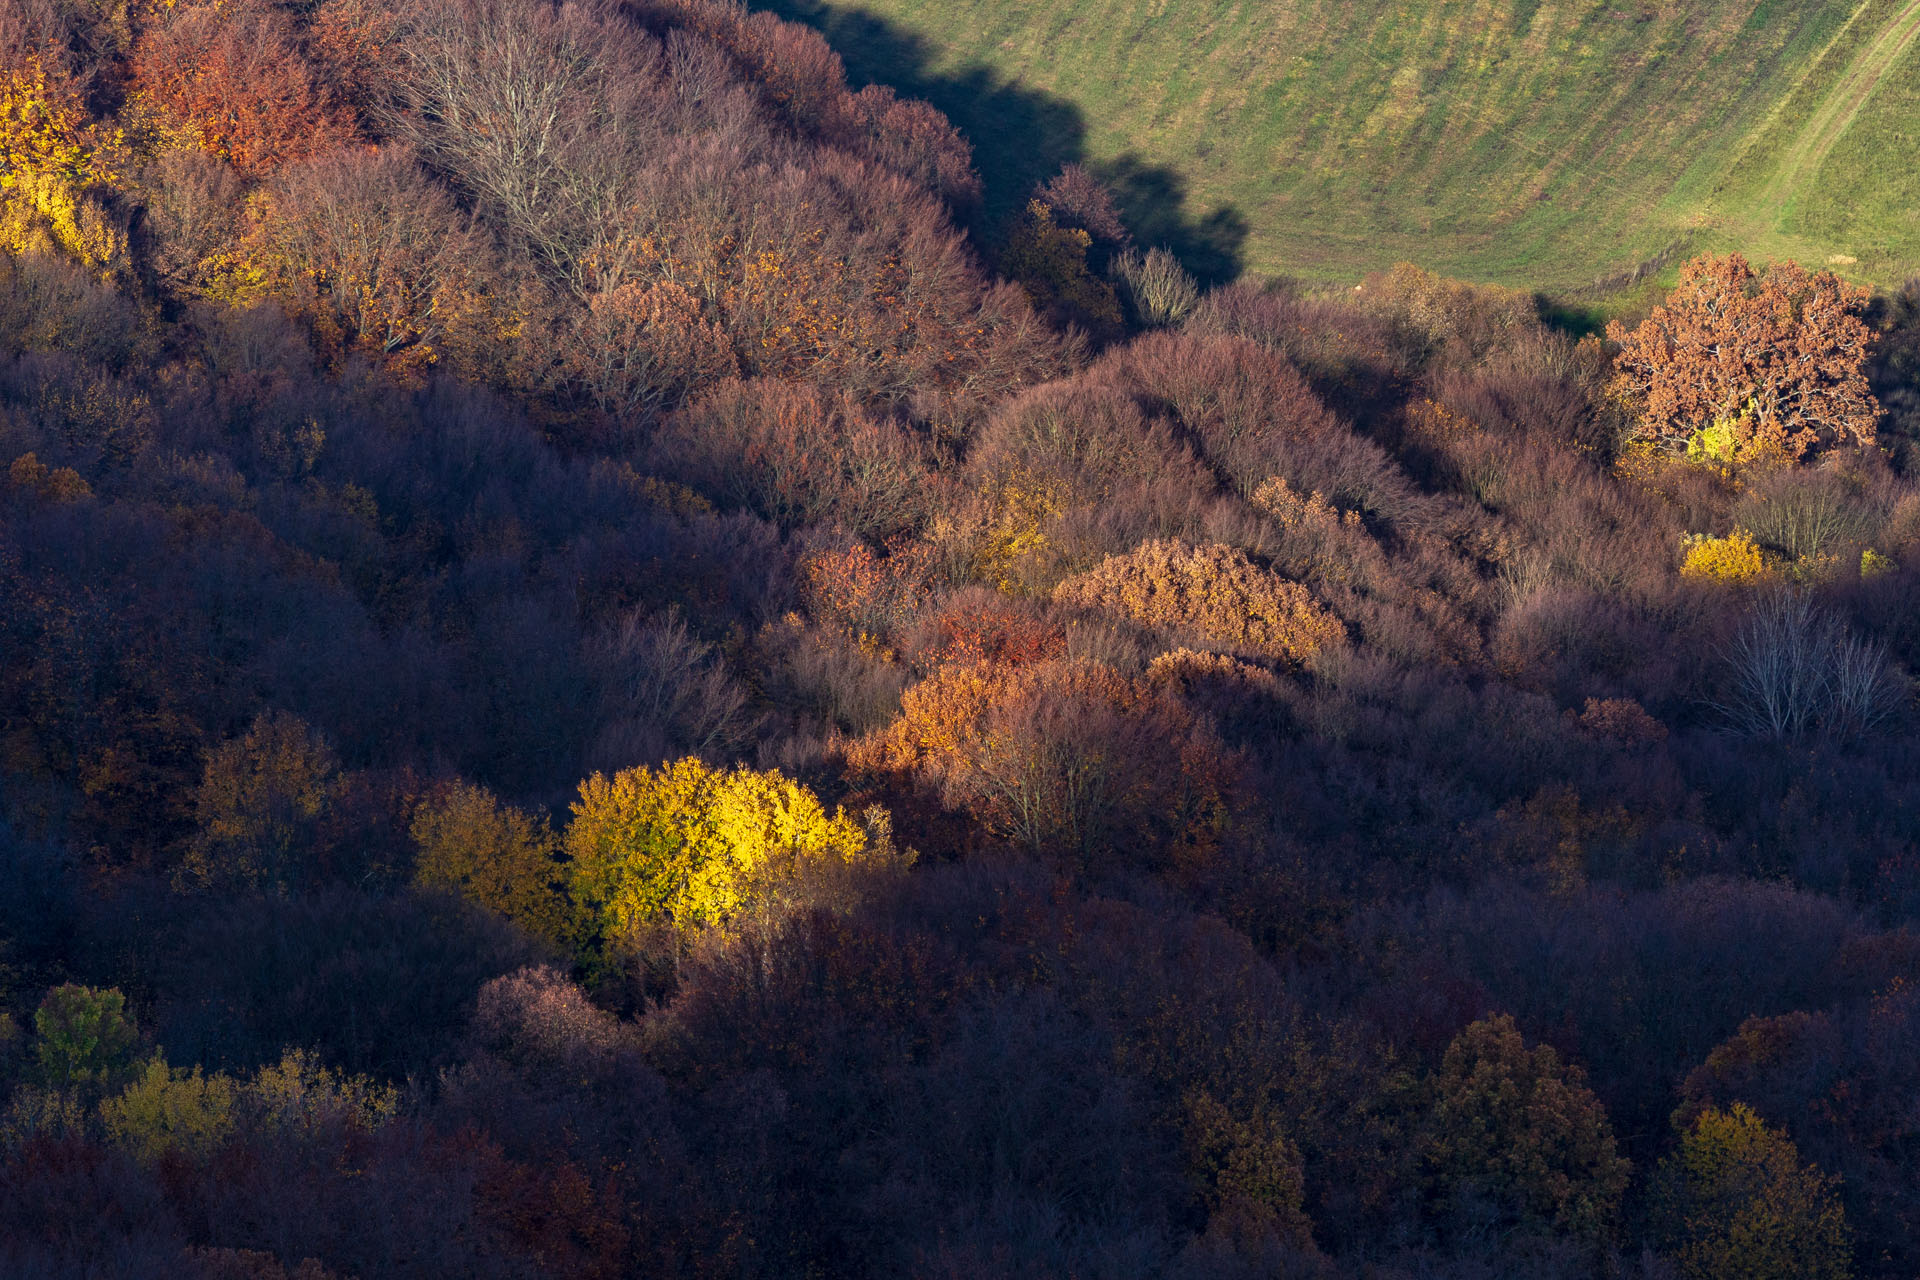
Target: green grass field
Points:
(1567, 145)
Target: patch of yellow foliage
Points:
(687, 845)
(167, 1110)
(1740, 1204)
(1015, 535)
(1736, 558)
(53, 166)
(492, 854)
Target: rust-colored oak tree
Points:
(1739, 364)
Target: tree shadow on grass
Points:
(1022, 136)
(1153, 200)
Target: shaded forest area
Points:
(589, 688)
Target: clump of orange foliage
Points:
(864, 594)
(1618, 720)
(640, 348)
(52, 484)
(978, 625)
(1213, 590)
(1067, 758)
(235, 80)
(1739, 364)
(1185, 672)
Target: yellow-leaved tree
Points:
(1737, 1204)
(492, 854)
(170, 1109)
(685, 846)
(1516, 1141)
(261, 807)
(56, 167)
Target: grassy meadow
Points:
(1576, 145)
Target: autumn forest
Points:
(603, 674)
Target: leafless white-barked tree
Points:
(1797, 669)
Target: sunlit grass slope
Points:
(1529, 141)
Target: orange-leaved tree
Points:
(235, 80)
(1739, 364)
(1067, 758)
(639, 349)
(866, 595)
(1214, 591)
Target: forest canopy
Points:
(601, 678)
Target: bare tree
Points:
(1863, 690)
(1796, 668)
(1161, 291)
(665, 690)
(536, 113)
(385, 253)
(1804, 513)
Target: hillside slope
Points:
(1525, 141)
